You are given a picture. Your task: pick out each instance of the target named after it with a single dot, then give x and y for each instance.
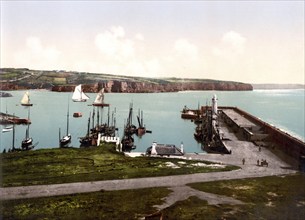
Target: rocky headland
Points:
(62, 81)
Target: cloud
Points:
(185, 49)
(232, 44)
(139, 37)
(114, 45)
(235, 41)
(36, 55)
(123, 55)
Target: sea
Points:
(161, 114)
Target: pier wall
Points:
(287, 143)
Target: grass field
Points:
(50, 166)
(265, 198)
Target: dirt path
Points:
(247, 171)
(181, 193)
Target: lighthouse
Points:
(214, 105)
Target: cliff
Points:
(62, 81)
(116, 86)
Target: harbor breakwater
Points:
(282, 139)
(264, 134)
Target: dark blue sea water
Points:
(282, 108)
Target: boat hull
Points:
(77, 114)
(100, 104)
(65, 141)
(79, 100)
(27, 144)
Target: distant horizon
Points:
(73, 71)
(244, 41)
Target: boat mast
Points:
(98, 118)
(59, 136)
(13, 135)
(93, 115)
(88, 128)
(108, 117)
(68, 118)
(28, 94)
(102, 111)
(129, 121)
(27, 133)
(114, 118)
(142, 119)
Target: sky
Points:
(245, 41)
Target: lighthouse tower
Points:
(214, 105)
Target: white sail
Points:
(79, 95)
(100, 97)
(25, 99)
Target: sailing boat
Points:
(79, 95)
(26, 144)
(99, 100)
(65, 140)
(25, 101)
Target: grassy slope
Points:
(53, 76)
(125, 204)
(49, 166)
(265, 198)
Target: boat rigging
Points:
(79, 95)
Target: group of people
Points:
(262, 163)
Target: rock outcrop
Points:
(116, 86)
(63, 81)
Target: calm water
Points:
(282, 108)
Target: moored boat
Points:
(27, 142)
(65, 140)
(77, 114)
(127, 143)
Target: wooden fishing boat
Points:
(77, 114)
(127, 143)
(87, 140)
(65, 140)
(27, 142)
(141, 130)
(130, 129)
